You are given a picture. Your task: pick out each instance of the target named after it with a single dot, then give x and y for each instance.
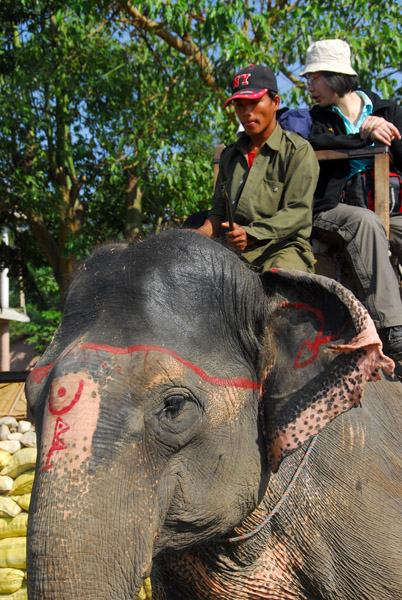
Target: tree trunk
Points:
(133, 221)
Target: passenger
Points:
(269, 176)
(347, 116)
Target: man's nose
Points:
(247, 109)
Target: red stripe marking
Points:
(39, 374)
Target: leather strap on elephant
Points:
(283, 497)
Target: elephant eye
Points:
(179, 416)
(173, 406)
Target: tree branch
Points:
(186, 47)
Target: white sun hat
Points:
(328, 55)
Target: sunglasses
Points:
(310, 80)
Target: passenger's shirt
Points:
(359, 164)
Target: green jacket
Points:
(273, 200)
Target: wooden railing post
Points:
(381, 188)
(217, 154)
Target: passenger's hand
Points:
(237, 238)
(379, 129)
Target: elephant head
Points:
(176, 383)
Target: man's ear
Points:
(276, 100)
(324, 348)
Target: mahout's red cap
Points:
(253, 82)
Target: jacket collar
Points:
(377, 101)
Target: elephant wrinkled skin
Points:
(173, 407)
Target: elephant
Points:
(194, 426)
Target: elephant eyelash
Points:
(173, 405)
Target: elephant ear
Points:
(324, 348)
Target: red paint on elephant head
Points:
(68, 423)
(72, 409)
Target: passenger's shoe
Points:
(391, 338)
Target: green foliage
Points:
(43, 325)
(110, 110)
(232, 34)
(41, 328)
(44, 309)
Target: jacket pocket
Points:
(268, 199)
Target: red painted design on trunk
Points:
(61, 392)
(61, 426)
(57, 444)
(313, 346)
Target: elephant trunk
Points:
(87, 537)
(91, 524)
(73, 553)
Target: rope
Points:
(283, 498)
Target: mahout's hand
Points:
(237, 238)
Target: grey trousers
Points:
(360, 235)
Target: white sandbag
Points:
(8, 508)
(23, 483)
(10, 580)
(4, 458)
(21, 594)
(13, 552)
(4, 432)
(10, 446)
(11, 423)
(29, 439)
(21, 461)
(6, 483)
(24, 426)
(14, 526)
(23, 501)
